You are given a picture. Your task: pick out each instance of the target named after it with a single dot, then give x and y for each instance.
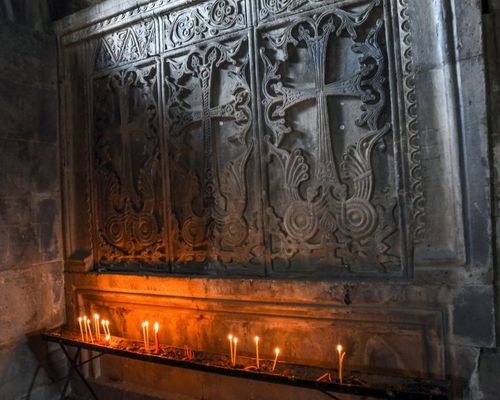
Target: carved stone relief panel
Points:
(213, 158)
(286, 142)
(127, 178)
(332, 150)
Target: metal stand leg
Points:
(75, 368)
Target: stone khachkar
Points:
(264, 147)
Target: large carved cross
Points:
(327, 171)
(127, 130)
(202, 65)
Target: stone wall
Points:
(489, 361)
(31, 278)
(125, 79)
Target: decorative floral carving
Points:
(202, 22)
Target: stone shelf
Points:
(373, 386)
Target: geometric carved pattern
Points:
(126, 45)
(129, 198)
(274, 149)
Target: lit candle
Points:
(103, 322)
(85, 325)
(277, 352)
(257, 350)
(144, 334)
(81, 329)
(107, 328)
(157, 341)
(97, 327)
(341, 355)
(90, 331)
(107, 340)
(235, 342)
(146, 325)
(230, 337)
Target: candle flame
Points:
(256, 339)
(80, 319)
(235, 340)
(230, 337)
(146, 324)
(277, 351)
(157, 327)
(108, 337)
(85, 318)
(339, 348)
(96, 316)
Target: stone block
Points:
(473, 316)
(23, 248)
(32, 299)
(488, 382)
(15, 210)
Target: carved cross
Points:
(202, 65)
(126, 131)
(327, 171)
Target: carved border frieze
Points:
(413, 133)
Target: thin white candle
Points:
(257, 350)
(235, 342)
(147, 335)
(81, 329)
(277, 352)
(144, 334)
(341, 355)
(230, 337)
(97, 327)
(90, 331)
(86, 330)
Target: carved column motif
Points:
(128, 195)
